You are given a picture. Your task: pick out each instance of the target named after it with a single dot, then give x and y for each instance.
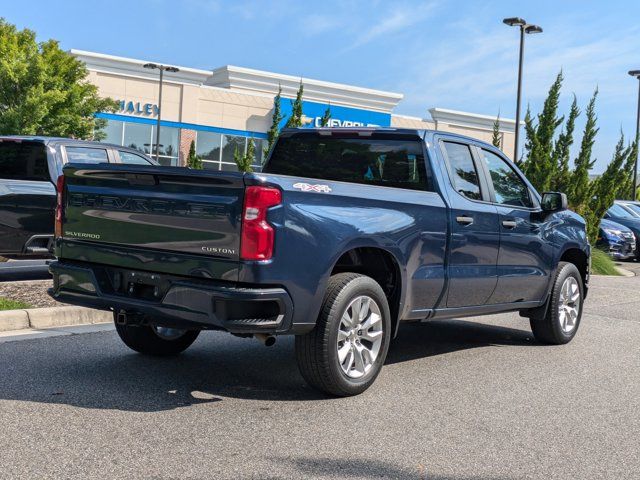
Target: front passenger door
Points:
(526, 255)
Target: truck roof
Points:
(424, 133)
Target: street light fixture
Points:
(162, 68)
(636, 74)
(524, 28)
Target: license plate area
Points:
(138, 285)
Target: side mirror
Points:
(554, 202)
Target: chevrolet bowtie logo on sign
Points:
(306, 187)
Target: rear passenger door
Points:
(526, 254)
(475, 231)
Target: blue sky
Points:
(447, 54)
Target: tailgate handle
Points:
(141, 179)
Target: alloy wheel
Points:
(569, 304)
(359, 336)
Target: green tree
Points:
(276, 118)
(324, 121)
(561, 151)
(579, 190)
(295, 120)
(244, 161)
(193, 160)
(496, 138)
(538, 165)
(44, 90)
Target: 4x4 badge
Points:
(306, 187)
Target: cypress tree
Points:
(539, 166)
(244, 160)
(561, 151)
(295, 120)
(496, 138)
(193, 160)
(276, 118)
(324, 121)
(580, 191)
(530, 144)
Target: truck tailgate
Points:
(160, 209)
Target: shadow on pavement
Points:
(436, 337)
(362, 468)
(97, 371)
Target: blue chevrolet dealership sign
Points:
(340, 116)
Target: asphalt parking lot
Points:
(456, 400)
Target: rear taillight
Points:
(257, 235)
(59, 206)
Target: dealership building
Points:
(222, 109)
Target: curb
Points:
(624, 272)
(51, 317)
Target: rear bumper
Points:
(178, 302)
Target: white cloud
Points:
(391, 22)
(360, 23)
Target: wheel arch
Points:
(383, 266)
(580, 259)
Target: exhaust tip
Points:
(265, 339)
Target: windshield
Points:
(633, 207)
(23, 161)
(616, 211)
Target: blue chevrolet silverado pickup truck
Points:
(344, 235)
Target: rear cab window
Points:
(21, 160)
(86, 155)
(387, 161)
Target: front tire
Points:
(345, 351)
(155, 340)
(564, 313)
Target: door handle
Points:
(510, 224)
(464, 220)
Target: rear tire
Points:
(564, 313)
(152, 340)
(345, 351)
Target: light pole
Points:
(524, 28)
(636, 74)
(162, 68)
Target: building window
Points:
(114, 131)
(141, 136)
(208, 148)
(259, 156)
(231, 144)
(138, 136)
(215, 149)
(169, 145)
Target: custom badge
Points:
(307, 187)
